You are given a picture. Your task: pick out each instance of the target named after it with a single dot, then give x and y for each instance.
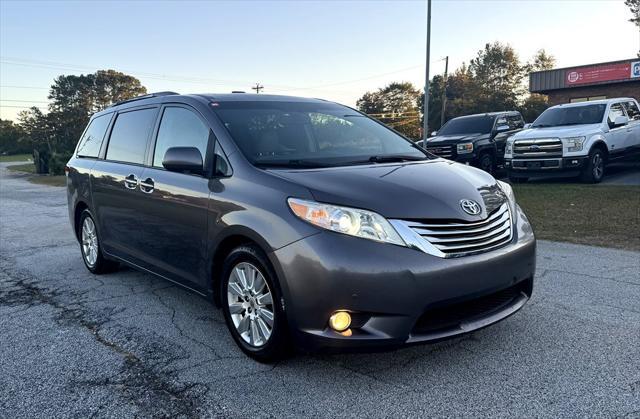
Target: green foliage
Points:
(12, 139)
(495, 80)
(634, 6)
(395, 105)
(74, 99)
(533, 106)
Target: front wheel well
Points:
(602, 147)
(222, 250)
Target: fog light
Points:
(340, 321)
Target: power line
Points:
(24, 87)
(24, 101)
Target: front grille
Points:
(444, 151)
(452, 315)
(457, 239)
(539, 147)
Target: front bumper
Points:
(399, 295)
(546, 166)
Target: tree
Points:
(12, 139)
(498, 76)
(394, 105)
(634, 6)
(541, 61)
(533, 106)
(73, 100)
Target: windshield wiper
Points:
(308, 164)
(395, 158)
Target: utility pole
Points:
(444, 91)
(425, 125)
(257, 88)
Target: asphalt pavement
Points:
(129, 344)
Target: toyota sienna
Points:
(310, 224)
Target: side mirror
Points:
(183, 160)
(526, 126)
(620, 121)
(434, 133)
(502, 128)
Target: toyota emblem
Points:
(470, 207)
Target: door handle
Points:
(131, 181)
(147, 185)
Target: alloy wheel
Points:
(89, 241)
(598, 166)
(250, 304)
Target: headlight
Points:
(508, 191)
(465, 148)
(574, 143)
(351, 221)
(508, 148)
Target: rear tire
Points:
(90, 246)
(252, 305)
(594, 169)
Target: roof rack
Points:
(148, 96)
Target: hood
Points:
(455, 138)
(419, 190)
(561, 132)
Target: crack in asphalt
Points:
(137, 381)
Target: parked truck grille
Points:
(539, 147)
(459, 239)
(444, 151)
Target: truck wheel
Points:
(486, 163)
(594, 169)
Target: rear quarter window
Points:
(91, 141)
(129, 136)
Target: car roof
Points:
(254, 97)
(489, 114)
(160, 97)
(592, 102)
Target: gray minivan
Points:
(310, 224)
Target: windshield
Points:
(482, 124)
(303, 134)
(573, 115)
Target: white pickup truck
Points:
(576, 139)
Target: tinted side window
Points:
(89, 144)
(129, 135)
(180, 127)
(615, 111)
(632, 110)
(515, 121)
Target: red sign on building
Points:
(598, 73)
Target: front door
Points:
(115, 184)
(174, 213)
(617, 135)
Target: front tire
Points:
(486, 163)
(594, 170)
(90, 246)
(251, 303)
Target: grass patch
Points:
(26, 168)
(38, 179)
(596, 215)
(49, 180)
(16, 157)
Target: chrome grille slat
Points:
(444, 151)
(491, 233)
(538, 147)
(496, 239)
(460, 239)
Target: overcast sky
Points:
(333, 50)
